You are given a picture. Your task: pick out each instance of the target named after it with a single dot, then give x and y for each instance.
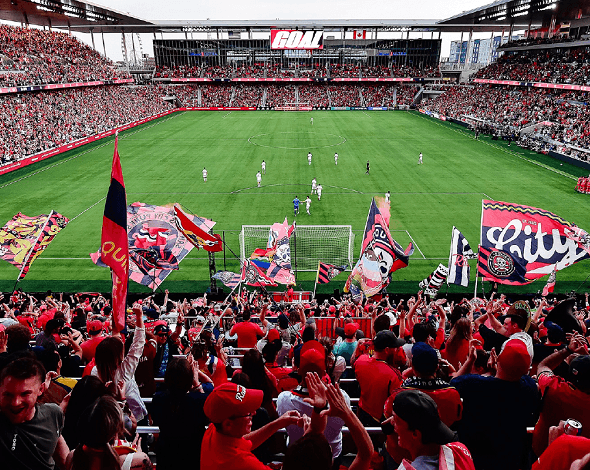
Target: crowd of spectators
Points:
(31, 56)
(34, 122)
(567, 112)
(420, 375)
(276, 70)
(569, 66)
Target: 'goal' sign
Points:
(296, 39)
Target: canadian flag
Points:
(360, 34)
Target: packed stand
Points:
(31, 56)
(247, 95)
(516, 108)
(220, 379)
(280, 95)
(215, 95)
(313, 95)
(571, 66)
(34, 122)
(344, 95)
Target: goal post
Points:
(332, 244)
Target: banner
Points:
(520, 243)
(252, 275)
(279, 253)
(327, 272)
(196, 230)
(228, 278)
(24, 238)
(459, 255)
(113, 243)
(432, 283)
(380, 256)
(550, 285)
(155, 244)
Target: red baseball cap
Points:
(312, 358)
(229, 399)
(332, 309)
(94, 326)
(514, 358)
(273, 335)
(350, 329)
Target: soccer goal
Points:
(332, 244)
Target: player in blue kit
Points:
(296, 203)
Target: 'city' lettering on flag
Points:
(294, 39)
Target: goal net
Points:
(310, 244)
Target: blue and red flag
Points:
(114, 246)
(520, 244)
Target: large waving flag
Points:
(156, 246)
(520, 244)
(327, 272)
(113, 244)
(228, 278)
(432, 283)
(24, 238)
(460, 253)
(252, 275)
(550, 285)
(380, 256)
(195, 230)
(278, 253)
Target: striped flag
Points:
(327, 272)
(228, 278)
(114, 245)
(461, 252)
(432, 283)
(550, 283)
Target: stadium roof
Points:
(64, 14)
(524, 11)
(87, 17)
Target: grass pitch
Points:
(163, 161)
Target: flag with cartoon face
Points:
(278, 252)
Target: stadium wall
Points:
(60, 86)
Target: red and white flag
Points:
(360, 34)
(548, 289)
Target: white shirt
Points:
(288, 401)
(387, 196)
(258, 177)
(335, 156)
(313, 183)
(204, 173)
(263, 165)
(307, 202)
(319, 189)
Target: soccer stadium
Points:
(295, 243)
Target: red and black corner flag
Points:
(114, 245)
(327, 272)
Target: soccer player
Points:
(314, 186)
(204, 174)
(311, 121)
(336, 158)
(263, 167)
(420, 159)
(296, 203)
(307, 205)
(388, 197)
(368, 167)
(258, 178)
(309, 158)
(319, 189)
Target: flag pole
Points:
(317, 274)
(475, 292)
(26, 260)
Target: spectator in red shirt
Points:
(94, 328)
(247, 331)
(229, 440)
(377, 378)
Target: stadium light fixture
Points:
(520, 13)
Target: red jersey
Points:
(560, 402)
(377, 380)
(247, 334)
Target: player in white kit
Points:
(204, 174)
(307, 205)
(258, 178)
(420, 159)
(314, 186)
(309, 158)
(336, 158)
(388, 197)
(311, 121)
(319, 190)
(263, 167)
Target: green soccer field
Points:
(163, 161)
